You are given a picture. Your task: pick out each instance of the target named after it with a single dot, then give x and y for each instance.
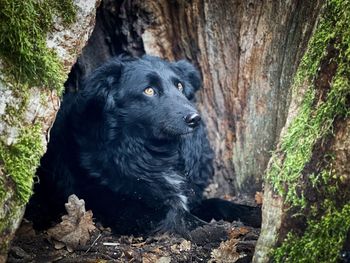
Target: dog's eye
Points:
(180, 87)
(149, 92)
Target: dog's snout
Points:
(192, 119)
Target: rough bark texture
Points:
(247, 52)
(26, 114)
(279, 215)
(306, 208)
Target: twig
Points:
(111, 244)
(93, 243)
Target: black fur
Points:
(133, 158)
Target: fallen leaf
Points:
(185, 245)
(157, 250)
(259, 198)
(58, 244)
(164, 260)
(237, 232)
(149, 258)
(138, 244)
(75, 228)
(226, 252)
(174, 248)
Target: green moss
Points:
(324, 236)
(314, 123)
(25, 62)
(2, 187)
(308, 127)
(328, 220)
(19, 162)
(322, 240)
(23, 29)
(333, 23)
(21, 159)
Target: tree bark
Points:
(306, 200)
(26, 114)
(247, 52)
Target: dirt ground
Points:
(85, 241)
(106, 247)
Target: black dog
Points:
(132, 145)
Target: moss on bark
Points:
(328, 224)
(26, 61)
(21, 159)
(19, 164)
(321, 241)
(23, 29)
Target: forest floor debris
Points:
(76, 239)
(75, 228)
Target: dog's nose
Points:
(192, 119)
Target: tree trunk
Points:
(247, 52)
(26, 113)
(306, 211)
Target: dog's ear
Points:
(101, 86)
(95, 106)
(190, 74)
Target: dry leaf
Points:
(227, 252)
(233, 249)
(174, 248)
(58, 244)
(138, 244)
(75, 227)
(157, 250)
(185, 245)
(237, 232)
(164, 260)
(149, 258)
(259, 198)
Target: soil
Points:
(103, 246)
(216, 242)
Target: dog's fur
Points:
(133, 158)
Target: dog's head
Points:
(147, 96)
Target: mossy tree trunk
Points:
(306, 211)
(247, 52)
(40, 41)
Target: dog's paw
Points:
(179, 222)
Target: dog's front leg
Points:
(179, 221)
